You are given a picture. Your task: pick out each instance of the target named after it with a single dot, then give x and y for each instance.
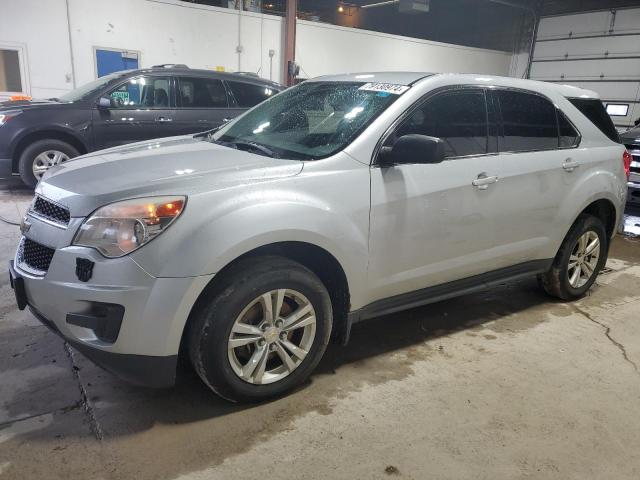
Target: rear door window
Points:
(458, 118)
(196, 92)
(248, 94)
(528, 120)
(594, 110)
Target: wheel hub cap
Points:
(272, 334)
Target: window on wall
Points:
(202, 93)
(142, 92)
(459, 119)
(247, 94)
(10, 71)
(529, 122)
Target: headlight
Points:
(120, 228)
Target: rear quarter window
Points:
(594, 110)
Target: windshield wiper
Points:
(246, 146)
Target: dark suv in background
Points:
(120, 108)
(631, 139)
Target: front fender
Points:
(65, 130)
(212, 234)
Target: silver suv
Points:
(247, 248)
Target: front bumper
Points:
(143, 349)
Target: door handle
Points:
(570, 165)
(164, 119)
(483, 181)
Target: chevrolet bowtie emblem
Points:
(25, 225)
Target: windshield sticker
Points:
(385, 88)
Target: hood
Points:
(631, 136)
(172, 166)
(27, 104)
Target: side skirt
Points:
(444, 291)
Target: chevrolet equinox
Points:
(248, 247)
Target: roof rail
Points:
(170, 65)
(248, 74)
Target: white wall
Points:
(173, 32)
(325, 49)
(39, 28)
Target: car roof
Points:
(397, 78)
(198, 72)
(408, 78)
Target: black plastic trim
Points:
(448, 290)
(105, 319)
(143, 370)
(17, 284)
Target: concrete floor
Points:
(502, 384)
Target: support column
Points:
(289, 40)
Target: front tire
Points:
(263, 331)
(40, 156)
(579, 260)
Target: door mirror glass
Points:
(412, 148)
(104, 102)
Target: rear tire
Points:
(579, 260)
(40, 156)
(272, 356)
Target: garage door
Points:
(599, 51)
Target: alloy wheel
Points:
(272, 336)
(47, 159)
(584, 259)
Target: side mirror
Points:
(104, 102)
(412, 148)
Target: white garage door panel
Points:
(589, 47)
(611, 90)
(609, 69)
(627, 21)
(582, 24)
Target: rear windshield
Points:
(594, 110)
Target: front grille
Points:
(34, 256)
(51, 211)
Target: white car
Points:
(346, 197)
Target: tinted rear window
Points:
(529, 122)
(202, 92)
(248, 94)
(594, 110)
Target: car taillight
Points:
(626, 159)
